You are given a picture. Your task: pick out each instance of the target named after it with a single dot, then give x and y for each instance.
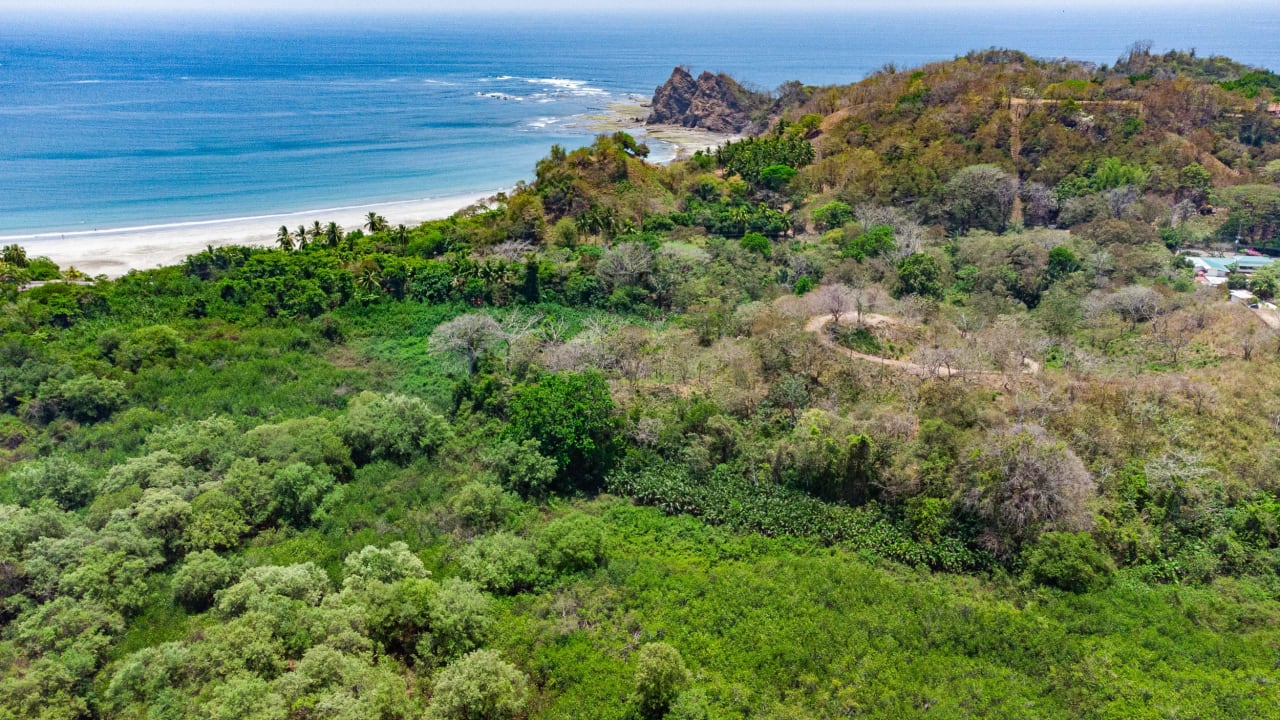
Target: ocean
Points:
(109, 123)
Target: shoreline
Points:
(629, 115)
(113, 252)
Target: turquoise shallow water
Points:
(108, 122)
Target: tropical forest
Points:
(910, 402)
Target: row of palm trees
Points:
(330, 234)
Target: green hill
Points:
(906, 407)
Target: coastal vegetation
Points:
(907, 406)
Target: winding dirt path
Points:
(1270, 317)
(818, 324)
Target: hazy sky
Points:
(373, 6)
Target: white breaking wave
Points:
(567, 86)
(556, 87)
(500, 96)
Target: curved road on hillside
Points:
(818, 324)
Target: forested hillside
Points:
(907, 407)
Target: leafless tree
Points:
(1183, 212)
(1172, 333)
(1120, 200)
(632, 348)
(1011, 344)
(908, 235)
(1181, 476)
(913, 307)
(469, 335)
(647, 431)
(1247, 342)
(625, 264)
(834, 300)
(1035, 483)
(1101, 265)
(1039, 204)
(517, 328)
(1035, 402)
(968, 322)
(1135, 303)
(512, 250)
(799, 266)
(938, 361)
(584, 351)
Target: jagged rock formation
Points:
(712, 102)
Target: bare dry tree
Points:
(1172, 333)
(632, 349)
(1034, 483)
(834, 300)
(469, 335)
(519, 327)
(512, 250)
(625, 264)
(1135, 303)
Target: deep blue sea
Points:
(121, 122)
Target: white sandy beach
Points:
(117, 251)
(114, 252)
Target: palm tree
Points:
(375, 222)
(402, 234)
(367, 276)
(316, 231)
(333, 234)
(284, 238)
(301, 235)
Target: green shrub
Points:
(755, 242)
(459, 621)
(89, 398)
(501, 563)
(573, 543)
(689, 705)
(521, 467)
(216, 522)
(727, 498)
(481, 505)
(207, 444)
(391, 427)
(387, 565)
(660, 676)
(312, 440)
(480, 685)
(153, 345)
(833, 215)
(1069, 561)
(57, 478)
(299, 490)
(776, 177)
(162, 513)
(875, 242)
(200, 576)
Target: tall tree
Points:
(470, 336)
(284, 238)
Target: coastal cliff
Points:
(711, 102)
